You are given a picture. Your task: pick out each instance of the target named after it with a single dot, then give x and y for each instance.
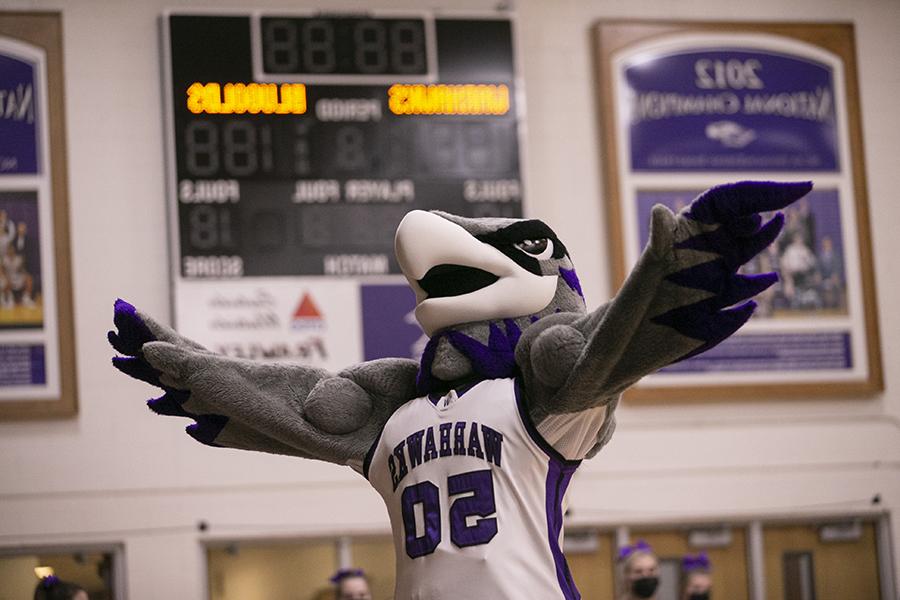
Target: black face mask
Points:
(644, 587)
(699, 596)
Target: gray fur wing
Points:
(683, 297)
(277, 408)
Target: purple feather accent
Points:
(704, 321)
(571, 279)
(734, 249)
(699, 562)
(495, 360)
(729, 289)
(638, 546)
(746, 225)
(137, 368)
(498, 358)
(207, 428)
(133, 332)
(732, 202)
(170, 404)
(425, 381)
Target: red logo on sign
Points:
(307, 314)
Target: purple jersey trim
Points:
(534, 434)
(559, 474)
(558, 478)
(367, 461)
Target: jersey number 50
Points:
(480, 484)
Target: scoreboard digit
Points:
(343, 45)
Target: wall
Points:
(117, 474)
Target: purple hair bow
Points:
(49, 581)
(638, 546)
(700, 562)
(343, 574)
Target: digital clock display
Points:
(344, 45)
(278, 172)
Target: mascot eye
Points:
(541, 249)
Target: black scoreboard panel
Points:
(301, 141)
(347, 46)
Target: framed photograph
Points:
(688, 105)
(37, 355)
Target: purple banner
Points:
(22, 365)
(731, 110)
(18, 117)
(772, 352)
(389, 328)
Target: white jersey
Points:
(475, 497)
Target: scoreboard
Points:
(299, 141)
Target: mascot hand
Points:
(704, 246)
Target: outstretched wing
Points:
(277, 408)
(683, 297)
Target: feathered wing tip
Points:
(129, 338)
(132, 332)
(730, 202)
(207, 428)
(734, 248)
(171, 404)
(741, 235)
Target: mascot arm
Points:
(683, 297)
(277, 408)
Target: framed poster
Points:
(686, 106)
(37, 356)
(297, 142)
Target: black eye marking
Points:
(541, 249)
(524, 231)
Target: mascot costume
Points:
(473, 447)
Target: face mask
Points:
(644, 587)
(699, 596)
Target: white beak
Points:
(425, 240)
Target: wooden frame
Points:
(618, 41)
(40, 35)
